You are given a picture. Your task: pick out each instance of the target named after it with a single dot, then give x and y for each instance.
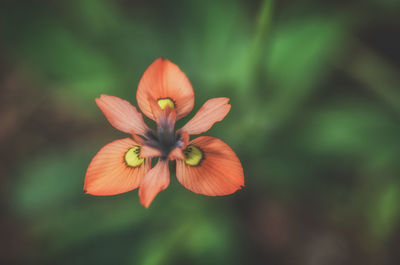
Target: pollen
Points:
(165, 102)
(193, 155)
(132, 157)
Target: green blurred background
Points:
(314, 87)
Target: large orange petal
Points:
(108, 174)
(214, 110)
(122, 115)
(218, 173)
(164, 80)
(156, 180)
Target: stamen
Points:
(166, 102)
(193, 155)
(132, 157)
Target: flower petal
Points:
(215, 171)
(165, 84)
(176, 153)
(184, 138)
(156, 180)
(122, 115)
(148, 151)
(163, 115)
(109, 174)
(214, 110)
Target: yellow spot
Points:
(193, 155)
(132, 157)
(165, 102)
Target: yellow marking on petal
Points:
(193, 155)
(165, 102)
(132, 157)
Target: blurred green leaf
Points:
(385, 212)
(70, 62)
(350, 127)
(48, 181)
(299, 57)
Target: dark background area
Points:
(315, 120)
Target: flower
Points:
(206, 165)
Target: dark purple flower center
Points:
(165, 138)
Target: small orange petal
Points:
(122, 115)
(156, 180)
(164, 81)
(163, 114)
(108, 174)
(217, 171)
(214, 110)
(175, 154)
(138, 139)
(184, 138)
(147, 151)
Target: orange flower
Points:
(205, 165)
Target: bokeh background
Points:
(315, 93)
